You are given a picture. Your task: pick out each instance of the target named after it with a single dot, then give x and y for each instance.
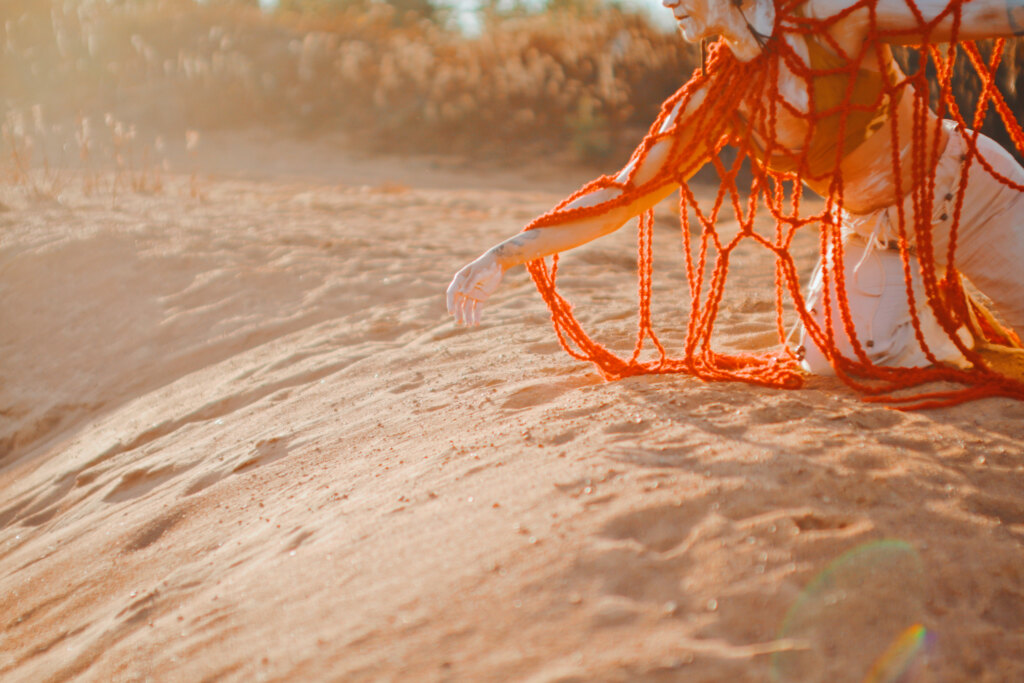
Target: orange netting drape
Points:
(753, 87)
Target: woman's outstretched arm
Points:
(898, 19)
(476, 281)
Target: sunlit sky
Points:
(466, 10)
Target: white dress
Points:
(989, 253)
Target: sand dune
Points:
(241, 440)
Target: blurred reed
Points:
(583, 76)
(592, 80)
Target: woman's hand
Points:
(471, 286)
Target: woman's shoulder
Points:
(821, 9)
(825, 10)
(848, 26)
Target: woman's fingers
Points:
(455, 291)
(470, 287)
(461, 303)
(468, 311)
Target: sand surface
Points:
(241, 440)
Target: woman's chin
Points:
(688, 34)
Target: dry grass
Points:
(108, 159)
(591, 80)
(408, 85)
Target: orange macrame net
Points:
(754, 85)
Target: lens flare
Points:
(899, 660)
(859, 620)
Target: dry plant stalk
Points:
(191, 146)
(590, 79)
(31, 167)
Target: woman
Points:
(812, 92)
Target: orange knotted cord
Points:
(752, 86)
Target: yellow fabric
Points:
(1006, 356)
(1006, 359)
(1008, 362)
(865, 112)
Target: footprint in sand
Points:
(659, 528)
(813, 521)
(203, 482)
(871, 458)
(907, 443)
(677, 455)
(140, 610)
(631, 426)
(10, 513)
(752, 304)
(42, 517)
(615, 610)
(626, 578)
(37, 512)
(480, 382)
(1006, 510)
(538, 394)
(264, 453)
(881, 418)
(299, 539)
(784, 412)
(755, 340)
(414, 383)
(1005, 609)
(563, 438)
(150, 532)
(42, 427)
(582, 412)
(140, 482)
(543, 348)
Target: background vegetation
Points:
(391, 75)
